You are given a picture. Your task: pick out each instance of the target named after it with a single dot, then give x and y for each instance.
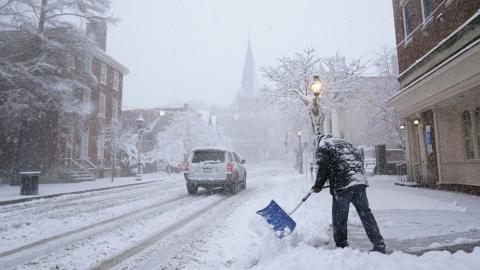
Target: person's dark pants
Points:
(356, 195)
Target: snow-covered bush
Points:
(42, 56)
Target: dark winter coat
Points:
(340, 163)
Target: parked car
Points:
(215, 167)
(162, 165)
(175, 167)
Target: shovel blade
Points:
(282, 223)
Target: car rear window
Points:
(208, 155)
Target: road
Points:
(101, 230)
(159, 226)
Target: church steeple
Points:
(249, 79)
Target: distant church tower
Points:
(246, 95)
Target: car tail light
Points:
(186, 167)
(229, 168)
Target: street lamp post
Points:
(300, 151)
(317, 89)
(140, 122)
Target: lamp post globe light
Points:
(317, 87)
(300, 152)
(140, 123)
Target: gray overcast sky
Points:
(178, 50)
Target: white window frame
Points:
(88, 63)
(87, 99)
(408, 37)
(84, 142)
(116, 80)
(103, 73)
(114, 109)
(102, 104)
(101, 145)
(426, 19)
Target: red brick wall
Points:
(446, 19)
(97, 121)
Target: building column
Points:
(408, 150)
(423, 157)
(436, 121)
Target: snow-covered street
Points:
(158, 226)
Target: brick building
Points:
(438, 44)
(66, 147)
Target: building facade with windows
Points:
(71, 147)
(90, 146)
(438, 45)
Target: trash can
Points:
(29, 181)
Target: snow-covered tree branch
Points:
(42, 58)
(185, 132)
(290, 82)
(385, 123)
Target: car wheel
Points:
(192, 189)
(234, 185)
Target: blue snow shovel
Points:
(283, 224)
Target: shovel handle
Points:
(306, 196)
(303, 200)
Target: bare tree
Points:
(42, 54)
(291, 78)
(385, 123)
(40, 14)
(184, 133)
(42, 64)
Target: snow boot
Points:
(380, 249)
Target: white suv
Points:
(215, 167)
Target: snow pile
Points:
(247, 242)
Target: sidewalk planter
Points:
(29, 181)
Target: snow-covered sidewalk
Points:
(410, 219)
(12, 193)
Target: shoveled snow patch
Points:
(248, 242)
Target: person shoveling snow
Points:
(341, 164)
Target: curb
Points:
(467, 247)
(2, 203)
(414, 185)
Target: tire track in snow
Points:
(127, 215)
(155, 238)
(174, 250)
(81, 196)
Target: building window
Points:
(100, 146)
(407, 22)
(103, 73)
(114, 109)
(86, 99)
(102, 104)
(84, 143)
(427, 10)
(88, 61)
(116, 80)
(468, 135)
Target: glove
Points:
(316, 189)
